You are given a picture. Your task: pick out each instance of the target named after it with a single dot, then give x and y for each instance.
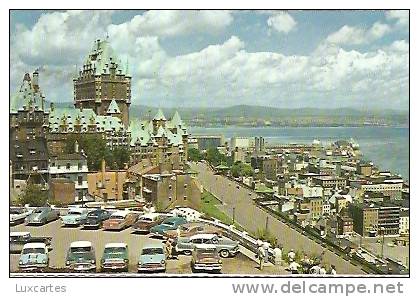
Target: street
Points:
(63, 236)
(238, 199)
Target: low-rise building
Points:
(345, 226)
(62, 190)
(404, 222)
(329, 181)
(73, 167)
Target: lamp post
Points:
(234, 214)
(382, 242)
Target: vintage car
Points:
(34, 256)
(115, 257)
(75, 217)
(147, 221)
(189, 229)
(18, 215)
(171, 223)
(119, 220)
(42, 215)
(226, 247)
(81, 256)
(152, 258)
(95, 218)
(206, 257)
(19, 239)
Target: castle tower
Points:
(102, 81)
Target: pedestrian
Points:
(261, 255)
(294, 267)
(266, 248)
(322, 270)
(333, 270)
(168, 247)
(278, 255)
(291, 256)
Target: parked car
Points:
(147, 221)
(19, 239)
(34, 256)
(226, 247)
(115, 257)
(75, 217)
(95, 218)
(120, 220)
(189, 229)
(152, 258)
(18, 215)
(206, 257)
(42, 215)
(81, 256)
(171, 223)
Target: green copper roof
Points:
(26, 96)
(159, 116)
(113, 108)
(102, 56)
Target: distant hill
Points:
(248, 113)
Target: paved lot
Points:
(398, 253)
(253, 218)
(62, 237)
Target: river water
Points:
(387, 147)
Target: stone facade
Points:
(102, 81)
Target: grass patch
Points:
(208, 206)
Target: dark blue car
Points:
(95, 218)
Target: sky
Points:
(286, 59)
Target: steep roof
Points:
(159, 116)
(113, 108)
(26, 96)
(101, 58)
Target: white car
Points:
(18, 215)
(34, 256)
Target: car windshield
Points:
(152, 251)
(117, 217)
(33, 251)
(74, 212)
(37, 211)
(170, 223)
(93, 216)
(114, 250)
(145, 220)
(79, 250)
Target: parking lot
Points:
(63, 236)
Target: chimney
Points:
(76, 146)
(35, 80)
(51, 106)
(27, 77)
(81, 106)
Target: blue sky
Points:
(221, 58)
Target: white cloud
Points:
(281, 22)
(223, 73)
(357, 35)
(171, 23)
(401, 17)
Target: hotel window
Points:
(68, 166)
(185, 197)
(80, 180)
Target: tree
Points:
(194, 155)
(96, 149)
(241, 169)
(215, 157)
(33, 195)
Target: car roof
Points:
(115, 245)
(153, 245)
(193, 224)
(19, 233)
(34, 245)
(150, 215)
(120, 213)
(78, 209)
(205, 246)
(204, 236)
(81, 244)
